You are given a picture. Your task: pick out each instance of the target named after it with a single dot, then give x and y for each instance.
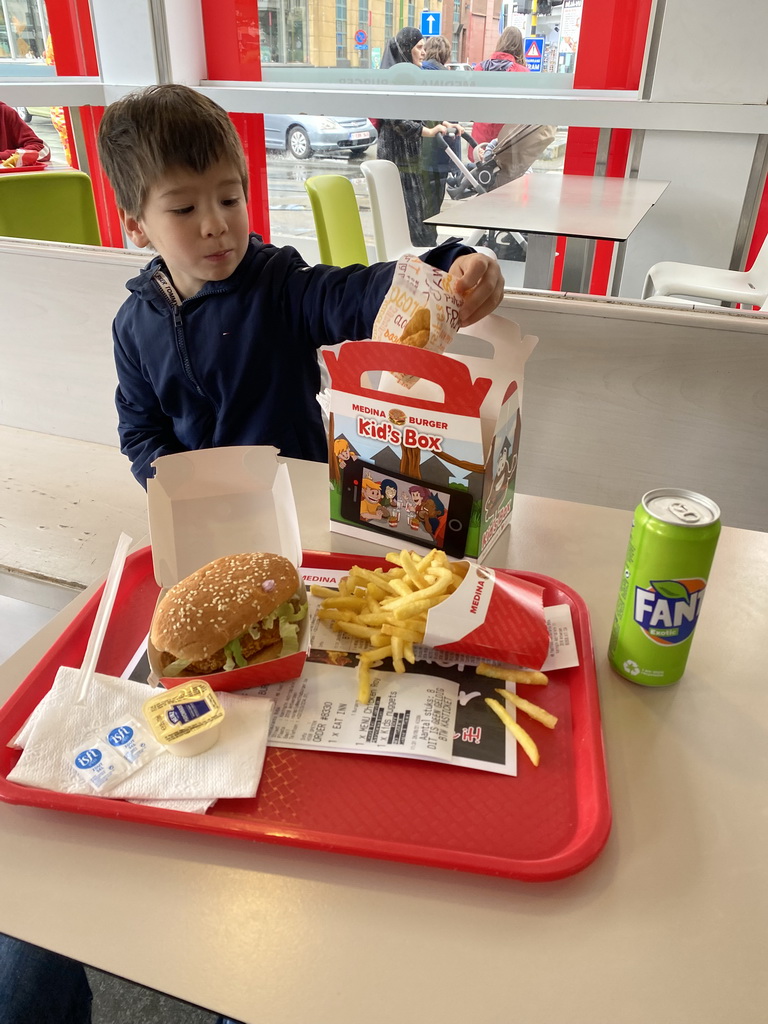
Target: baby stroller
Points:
(508, 157)
(473, 177)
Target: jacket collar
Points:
(154, 284)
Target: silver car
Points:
(308, 134)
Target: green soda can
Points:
(671, 547)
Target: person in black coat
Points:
(437, 164)
(400, 141)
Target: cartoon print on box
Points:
(389, 502)
(370, 502)
(399, 507)
(430, 453)
(340, 456)
(503, 466)
(428, 512)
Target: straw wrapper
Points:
(421, 309)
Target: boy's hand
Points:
(479, 283)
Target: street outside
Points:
(289, 209)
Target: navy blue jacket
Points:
(237, 363)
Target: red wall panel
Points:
(610, 56)
(232, 51)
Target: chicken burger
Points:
(231, 612)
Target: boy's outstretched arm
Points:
(480, 284)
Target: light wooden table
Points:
(669, 924)
(546, 206)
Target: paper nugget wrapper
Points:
(493, 615)
(421, 309)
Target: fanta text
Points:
(668, 610)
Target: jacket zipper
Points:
(181, 345)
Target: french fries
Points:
(526, 676)
(532, 710)
(389, 607)
(517, 731)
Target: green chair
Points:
(56, 206)
(337, 220)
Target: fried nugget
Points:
(417, 329)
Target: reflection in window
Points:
(283, 31)
(5, 45)
(341, 31)
(389, 19)
(23, 29)
(457, 31)
(362, 21)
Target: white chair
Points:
(690, 280)
(391, 236)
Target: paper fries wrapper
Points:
(492, 615)
(421, 309)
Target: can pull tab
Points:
(684, 512)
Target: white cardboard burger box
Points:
(205, 504)
(459, 425)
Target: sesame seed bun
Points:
(218, 603)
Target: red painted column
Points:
(761, 228)
(74, 50)
(233, 53)
(610, 56)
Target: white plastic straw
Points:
(96, 638)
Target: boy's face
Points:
(197, 222)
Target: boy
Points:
(217, 344)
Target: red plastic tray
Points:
(547, 823)
(28, 167)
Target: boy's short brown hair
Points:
(144, 134)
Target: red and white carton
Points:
(457, 427)
(223, 501)
(493, 615)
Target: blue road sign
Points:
(361, 36)
(534, 51)
(430, 23)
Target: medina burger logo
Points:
(667, 610)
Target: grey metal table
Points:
(547, 206)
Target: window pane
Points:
(5, 43)
(300, 146)
(28, 28)
(283, 25)
(300, 34)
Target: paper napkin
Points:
(230, 769)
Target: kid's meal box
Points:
(423, 444)
(223, 501)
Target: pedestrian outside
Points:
(400, 141)
(436, 162)
(509, 55)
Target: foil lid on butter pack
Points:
(492, 615)
(178, 717)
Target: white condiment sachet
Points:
(231, 769)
